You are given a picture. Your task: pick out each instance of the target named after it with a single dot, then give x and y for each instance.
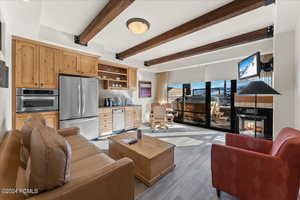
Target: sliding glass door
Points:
(175, 97)
(220, 104)
(207, 104)
(194, 106)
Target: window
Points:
(207, 104)
(195, 104)
(220, 104)
(175, 92)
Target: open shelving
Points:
(114, 77)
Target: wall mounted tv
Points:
(250, 66)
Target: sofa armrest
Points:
(65, 132)
(249, 143)
(243, 173)
(114, 181)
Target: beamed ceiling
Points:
(177, 26)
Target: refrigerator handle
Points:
(83, 100)
(79, 99)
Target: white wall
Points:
(211, 72)
(196, 74)
(5, 93)
(297, 74)
(286, 65)
(145, 102)
(284, 81)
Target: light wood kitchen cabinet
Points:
(132, 78)
(88, 65)
(129, 118)
(105, 121)
(70, 63)
(48, 67)
(50, 117)
(35, 66)
(137, 117)
(78, 64)
(26, 64)
(132, 118)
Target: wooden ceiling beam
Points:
(216, 16)
(237, 40)
(111, 10)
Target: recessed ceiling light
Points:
(138, 25)
(26, 0)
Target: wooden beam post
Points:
(237, 40)
(111, 10)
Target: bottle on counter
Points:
(139, 134)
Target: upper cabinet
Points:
(88, 65)
(132, 78)
(37, 65)
(78, 64)
(48, 67)
(70, 62)
(26, 64)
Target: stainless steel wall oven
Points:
(36, 100)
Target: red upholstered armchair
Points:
(253, 169)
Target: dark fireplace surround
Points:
(245, 122)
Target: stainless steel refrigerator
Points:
(78, 104)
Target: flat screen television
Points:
(250, 66)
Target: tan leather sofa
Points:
(94, 175)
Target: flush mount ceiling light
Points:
(138, 25)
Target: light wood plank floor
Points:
(191, 179)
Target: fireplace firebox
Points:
(255, 122)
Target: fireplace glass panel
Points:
(247, 127)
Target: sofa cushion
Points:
(90, 164)
(77, 142)
(34, 120)
(84, 152)
(50, 158)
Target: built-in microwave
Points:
(36, 100)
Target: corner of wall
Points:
(297, 74)
(5, 93)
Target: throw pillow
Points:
(50, 158)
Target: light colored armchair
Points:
(158, 117)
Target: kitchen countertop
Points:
(113, 107)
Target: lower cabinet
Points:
(51, 119)
(137, 117)
(132, 119)
(105, 121)
(129, 118)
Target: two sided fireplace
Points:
(255, 122)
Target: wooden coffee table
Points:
(153, 158)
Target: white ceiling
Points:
(72, 16)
